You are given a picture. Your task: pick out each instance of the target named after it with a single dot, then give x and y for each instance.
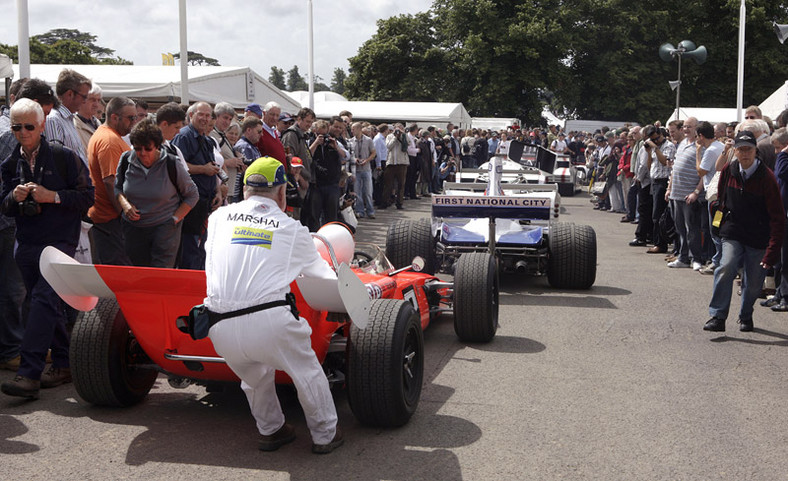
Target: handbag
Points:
(599, 187)
(711, 190)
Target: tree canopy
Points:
(595, 59)
(65, 46)
(196, 58)
(277, 77)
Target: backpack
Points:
(466, 149)
(172, 167)
(479, 148)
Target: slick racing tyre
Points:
(386, 365)
(572, 257)
(103, 357)
(406, 239)
(476, 297)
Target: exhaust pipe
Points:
(521, 266)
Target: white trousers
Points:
(255, 346)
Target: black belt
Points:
(289, 300)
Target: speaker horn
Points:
(687, 45)
(781, 31)
(674, 83)
(666, 52)
(698, 55)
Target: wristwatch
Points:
(696, 191)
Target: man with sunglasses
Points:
(72, 89)
(104, 150)
(47, 189)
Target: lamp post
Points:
(686, 48)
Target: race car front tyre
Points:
(103, 354)
(476, 297)
(406, 239)
(572, 258)
(386, 365)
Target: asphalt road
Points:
(617, 383)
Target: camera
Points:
(29, 207)
(223, 175)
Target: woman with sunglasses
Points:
(156, 192)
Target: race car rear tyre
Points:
(103, 353)
(476, 297)
(566, 189)
(386, 365)
(572, 259)
(406, 239)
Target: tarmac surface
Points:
(615, 383)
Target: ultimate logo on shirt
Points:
(252, 237)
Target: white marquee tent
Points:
(776, 102)
(236, 85)
(328, 104)
(712, 115)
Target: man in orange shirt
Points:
(104, 151)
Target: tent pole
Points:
(184, 54)
(24, 39)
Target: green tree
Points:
(295, 81)
(196, 58)
(277, 77)
(65, 46)
(593, 59)
(84, 38)
(338, 81)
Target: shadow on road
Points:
(782, 342)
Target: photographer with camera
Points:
(47, 189)
(322, 199)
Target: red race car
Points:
(366, 327)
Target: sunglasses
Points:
(83, 97)
(147, 148)
(750, 117)
(18, 127)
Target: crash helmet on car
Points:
(341, 240)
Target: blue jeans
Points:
(12, 295)
(735, 255)
(364, 192)
(46, 322)
(687, 220)
(717, 257)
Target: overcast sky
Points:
(257, 33)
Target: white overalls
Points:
(254, 251)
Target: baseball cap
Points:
(744, 138)
(285, 117)
(255, 109)
(296, 162)
(600, 138)
(271, 169)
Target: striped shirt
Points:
(685, 177)
(60, 127)
(659, 171)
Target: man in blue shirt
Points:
(197, 149)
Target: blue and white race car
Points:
(513, 220)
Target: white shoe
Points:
(678, 264)
(696, 266)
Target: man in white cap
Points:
(254, 251)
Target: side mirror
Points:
(418, 264)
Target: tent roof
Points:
(424, 112)
(776, 102)
(707, 114)
(237, 85)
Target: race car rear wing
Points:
(498, 206)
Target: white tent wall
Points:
(492, 123)
(239, 86)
